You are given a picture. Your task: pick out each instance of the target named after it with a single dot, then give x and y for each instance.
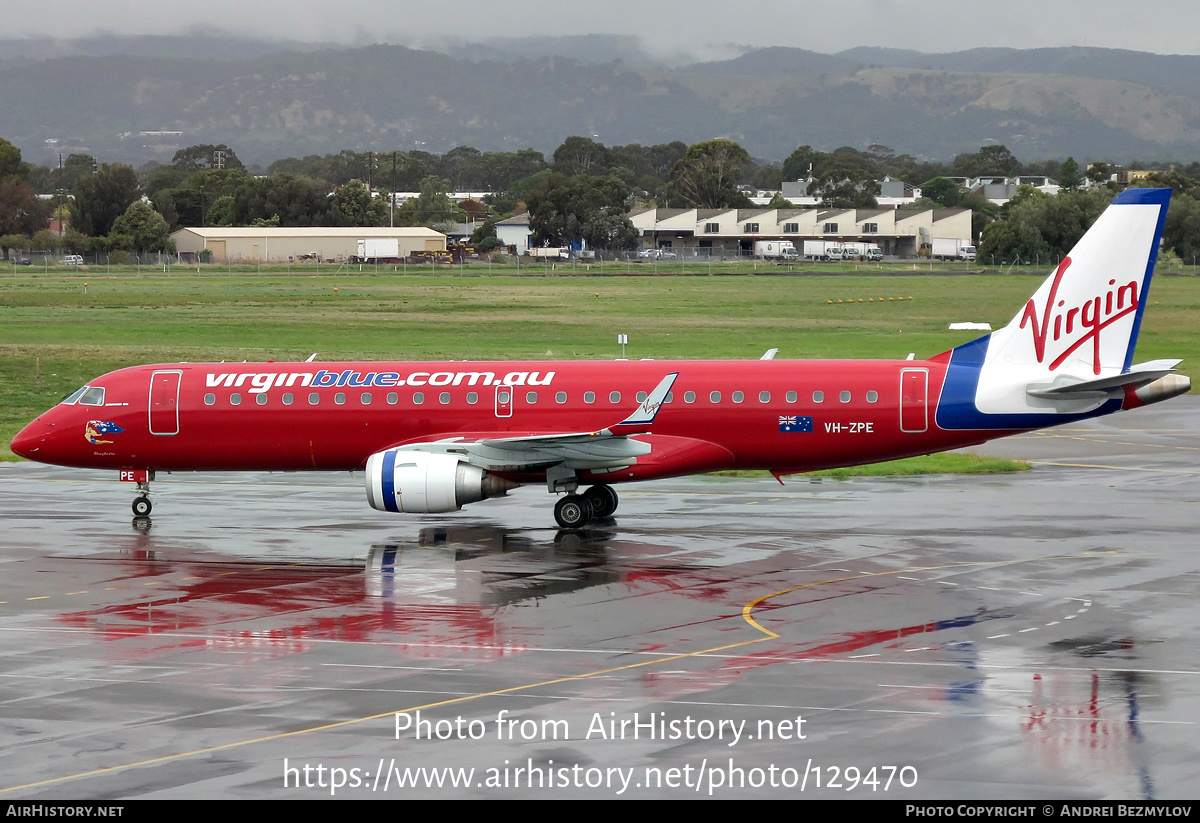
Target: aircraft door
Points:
(504, 401)
(914, 400)
(164, 402)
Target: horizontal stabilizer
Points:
(1138, 375)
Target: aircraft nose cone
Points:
(28, 441)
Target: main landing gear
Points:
(577, 510)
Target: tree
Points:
(21, 212)
(297, 200)
(11, 167)
(943, 191)
(846, 188)
(707, 175)
(102, 197)
(141, 228)
(568, 210)
(580, 155)
(1069, 177)
(1181, 230)
(988, 160)
(206, 156)
(433, 205)
(353, 205)
(1038, 227)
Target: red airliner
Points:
(433, 437)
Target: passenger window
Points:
(764, 397)
(288, 398)
(210, 399)
(235, 399)
(670, 397)
(418, 398)
(560, 398)
(738, 397)
(365, 398)
(260, 399)
(589, 397)
(714, 397)
(614, 397)
(689, 397)
(472, 397)
(872, 396)
(792, 397)
(314, 398)
(531, 397)
(818, 397)
(444, 398)
(393, 398)
(94, 396)
(844, 397)
(641, 397)
(339, 398)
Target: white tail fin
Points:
(1080, 326)
(1085, 317)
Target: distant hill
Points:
(122, 100)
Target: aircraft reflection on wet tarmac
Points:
(1038, 643)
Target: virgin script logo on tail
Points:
(1076, 325)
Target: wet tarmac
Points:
(1019, 636)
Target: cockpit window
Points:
(92, 396)
(70, 399)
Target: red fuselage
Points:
(775, 414)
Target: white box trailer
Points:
(378, 248)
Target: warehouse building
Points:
(704, 232)
(266, 244)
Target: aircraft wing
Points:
(607, 448)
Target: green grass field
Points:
(59, 330)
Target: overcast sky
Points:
(1162, 26)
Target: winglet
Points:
(645, 413)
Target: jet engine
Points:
(419, 482)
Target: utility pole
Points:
(392, 195)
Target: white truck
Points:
(951, 248)
(815, 249)
(772, 249)
(861, 251)
(550, 252)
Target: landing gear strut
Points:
(141, 503)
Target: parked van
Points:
(72, 260)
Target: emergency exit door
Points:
(914, 400)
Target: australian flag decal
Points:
(93, 431)
(792, 423)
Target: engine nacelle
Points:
(422, 483)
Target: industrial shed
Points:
(285, 245)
